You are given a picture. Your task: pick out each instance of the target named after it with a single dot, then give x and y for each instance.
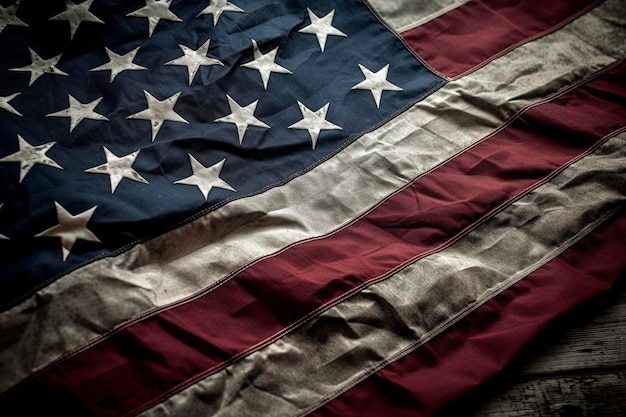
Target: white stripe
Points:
(402, 15)
(87, 302)
(338, 349)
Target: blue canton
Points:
(122, 119)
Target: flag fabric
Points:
(329, 208)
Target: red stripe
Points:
(160, 354)
(479, 346)
(465, 38)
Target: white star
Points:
(158, 112)
(205, 178)
(314, 122)
(322, 27)
(39, 66)
(78, 111)
(8, 17)
(4, 104)
(118, 168)
(217, 7)
(70, 228)
(242, 117)
(194, 59)
(29, 155)
(376, 82)
(75, 14)
(265, 64)
(118, 63)
(155, 10)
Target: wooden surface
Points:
(577, 368)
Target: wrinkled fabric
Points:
(137, 280)
(384, 322)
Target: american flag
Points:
(328, 208)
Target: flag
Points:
(298, 208)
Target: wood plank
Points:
(576, 368)
(575, 396)
(583, 342)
